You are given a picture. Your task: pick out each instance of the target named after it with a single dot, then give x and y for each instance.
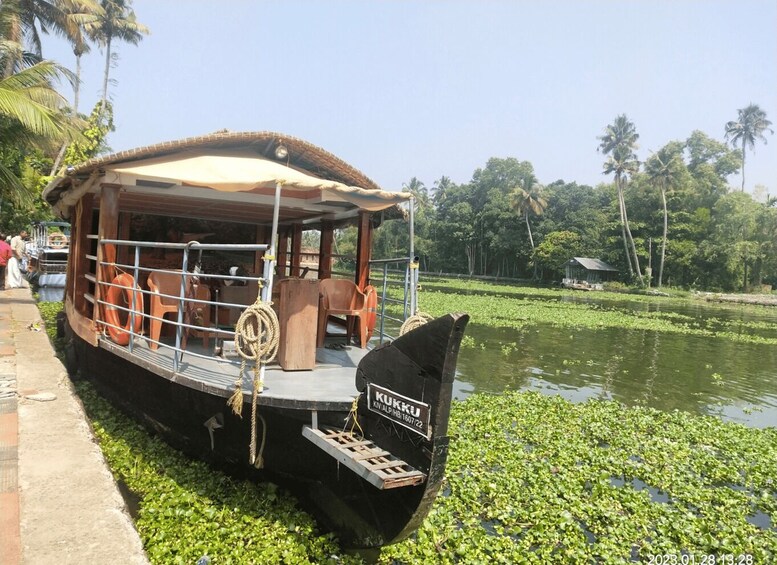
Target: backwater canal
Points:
(667, 371)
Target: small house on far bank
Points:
(587, 274)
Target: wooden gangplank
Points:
(364, 458)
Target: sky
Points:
(423, 89)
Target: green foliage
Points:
(556, 249)
(99, 125)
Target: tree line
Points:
(670, 220)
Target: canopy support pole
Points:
(270, 259)
(413, 261)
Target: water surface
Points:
(706, 375)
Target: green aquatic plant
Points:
(521, 308)
(537, 479)
(530, 479)
(187, 510)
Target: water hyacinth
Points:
(530, 479)
(537, 479)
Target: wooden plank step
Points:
(364, 458)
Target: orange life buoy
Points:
(371, 304)
(121, 295)
(57, 241)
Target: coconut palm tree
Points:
(117, 22)
(664, 170)
(750, 125)
(24, 21)
(619, 143)
(419, 191)
(77, 14)
(528, 200)
(32, 113)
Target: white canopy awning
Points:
(243, 173)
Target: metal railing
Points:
(407, 279)
(395, 281)
(185, 299)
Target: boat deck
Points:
(329, 386)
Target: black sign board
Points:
(405, 411)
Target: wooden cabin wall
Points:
(125, 223)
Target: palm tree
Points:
(77, 15)
(749, 126)
(419, 191)
(664, 170)
(619, 142)
(32, 113)
(29, 18)
(117, 21)
(528, 199)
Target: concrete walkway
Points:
(59, 503)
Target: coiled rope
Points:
(418, 318)
(256, 339)
(415, 321)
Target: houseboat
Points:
(47, 252)
(190, 303)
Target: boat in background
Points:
(46, 254)
(188, 304)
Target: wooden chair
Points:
(341, 297)
(160, 283)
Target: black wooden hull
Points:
(419, 365)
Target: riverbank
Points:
(758, 299)
(58, 500)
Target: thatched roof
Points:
(302, 155)
(233, 154)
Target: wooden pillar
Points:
(325, 250)
(79, 248)
(363, 250)
(282, 254)
(296, 250)
(107, 229)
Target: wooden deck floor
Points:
(329, 386)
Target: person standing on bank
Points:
(5, 254)
(14, 277)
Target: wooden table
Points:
(297, 302)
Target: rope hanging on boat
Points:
(256, 339)
(418, 318)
